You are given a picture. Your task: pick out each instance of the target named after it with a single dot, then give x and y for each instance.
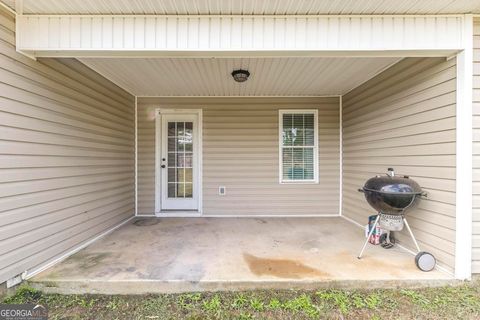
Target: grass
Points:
(459, 302)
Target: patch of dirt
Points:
(281, 268)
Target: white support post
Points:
(136, 156)
(463, 232)
(340, 188)
(19, 30)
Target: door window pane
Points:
(171, 190)
(180, 190)
(188, 190)
(171, 129)
(180, 159)
(171, 175)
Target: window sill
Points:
(299, 182)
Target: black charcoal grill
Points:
(392, 196)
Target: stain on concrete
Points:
(107, 271)
(146, 222)
(281, 268)
(88, 260)
(312, 246)
(276, 243)
(193, 272)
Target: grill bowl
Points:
(391, 195)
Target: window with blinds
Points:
(298, 146)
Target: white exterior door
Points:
(179, 162)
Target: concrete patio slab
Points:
(196, 254)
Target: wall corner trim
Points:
(136, 156)
(464, 149)
(340, 188)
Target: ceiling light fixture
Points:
(240, 75)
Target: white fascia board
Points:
(107, 35)
(464, 148)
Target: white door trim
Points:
(158, 136)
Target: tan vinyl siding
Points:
(240, 151)
(476, 147)
(66, 156)
(405, 118)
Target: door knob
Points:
(163, 166)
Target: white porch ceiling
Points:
(211, 76)
(279, 7)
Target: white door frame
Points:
(158, 149)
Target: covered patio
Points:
(195, 254)
(138, 163)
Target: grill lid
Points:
(391, 194)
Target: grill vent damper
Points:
(392, 196)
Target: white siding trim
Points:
(316, 165)
(198, 215)
(464, 162)
(137, 35)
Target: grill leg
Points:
(411, 234)
(369, 235)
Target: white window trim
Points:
(315, 146)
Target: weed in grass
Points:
(256, 304)
(303, 304)
(417, 298)
(154, 305)
(373, 301)
(274, 304)
(340, 299)
(113, 304)
(357, 301)
(389, 303)
(23, 294)
(213, 304)
(239, 301)
(85, 302)
(245, 316)
(188, 301)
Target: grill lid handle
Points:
(391, 172)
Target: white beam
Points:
(87, 36)
(65, 53)
(464, 203)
